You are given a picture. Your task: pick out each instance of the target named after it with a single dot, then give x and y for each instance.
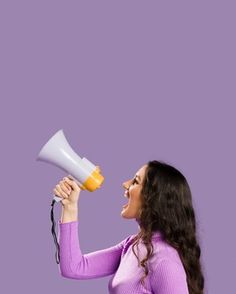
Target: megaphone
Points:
(58, 152)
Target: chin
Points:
(125, 214)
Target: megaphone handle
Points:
(57, 199)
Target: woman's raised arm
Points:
(75, 265)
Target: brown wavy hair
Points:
(167, 207)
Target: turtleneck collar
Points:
(155, 234)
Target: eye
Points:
(134, 181)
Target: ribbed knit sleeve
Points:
(169, 278)
(75, 265)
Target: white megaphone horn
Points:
(58, 152)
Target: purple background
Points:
(127, 81)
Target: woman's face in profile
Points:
(133, 189)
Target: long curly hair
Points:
(167, 207)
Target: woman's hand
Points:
(69, 191)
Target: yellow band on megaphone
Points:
(94, 181)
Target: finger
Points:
(63, 194)
(67, 186)
(72, 183)
(57, 193)
(64, 188)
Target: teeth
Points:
(126, 194)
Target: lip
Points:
(126, 205)
(126, 194)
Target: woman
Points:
(162, 258)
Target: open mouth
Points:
(126, 195)
(126, 205)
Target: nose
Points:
(125, 185)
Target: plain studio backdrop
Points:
(128, 82)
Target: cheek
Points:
(136, 199)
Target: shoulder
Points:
(169, 266)
(165, 258)
(167, 271)
(162, 251)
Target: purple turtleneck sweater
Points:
(166, 272)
